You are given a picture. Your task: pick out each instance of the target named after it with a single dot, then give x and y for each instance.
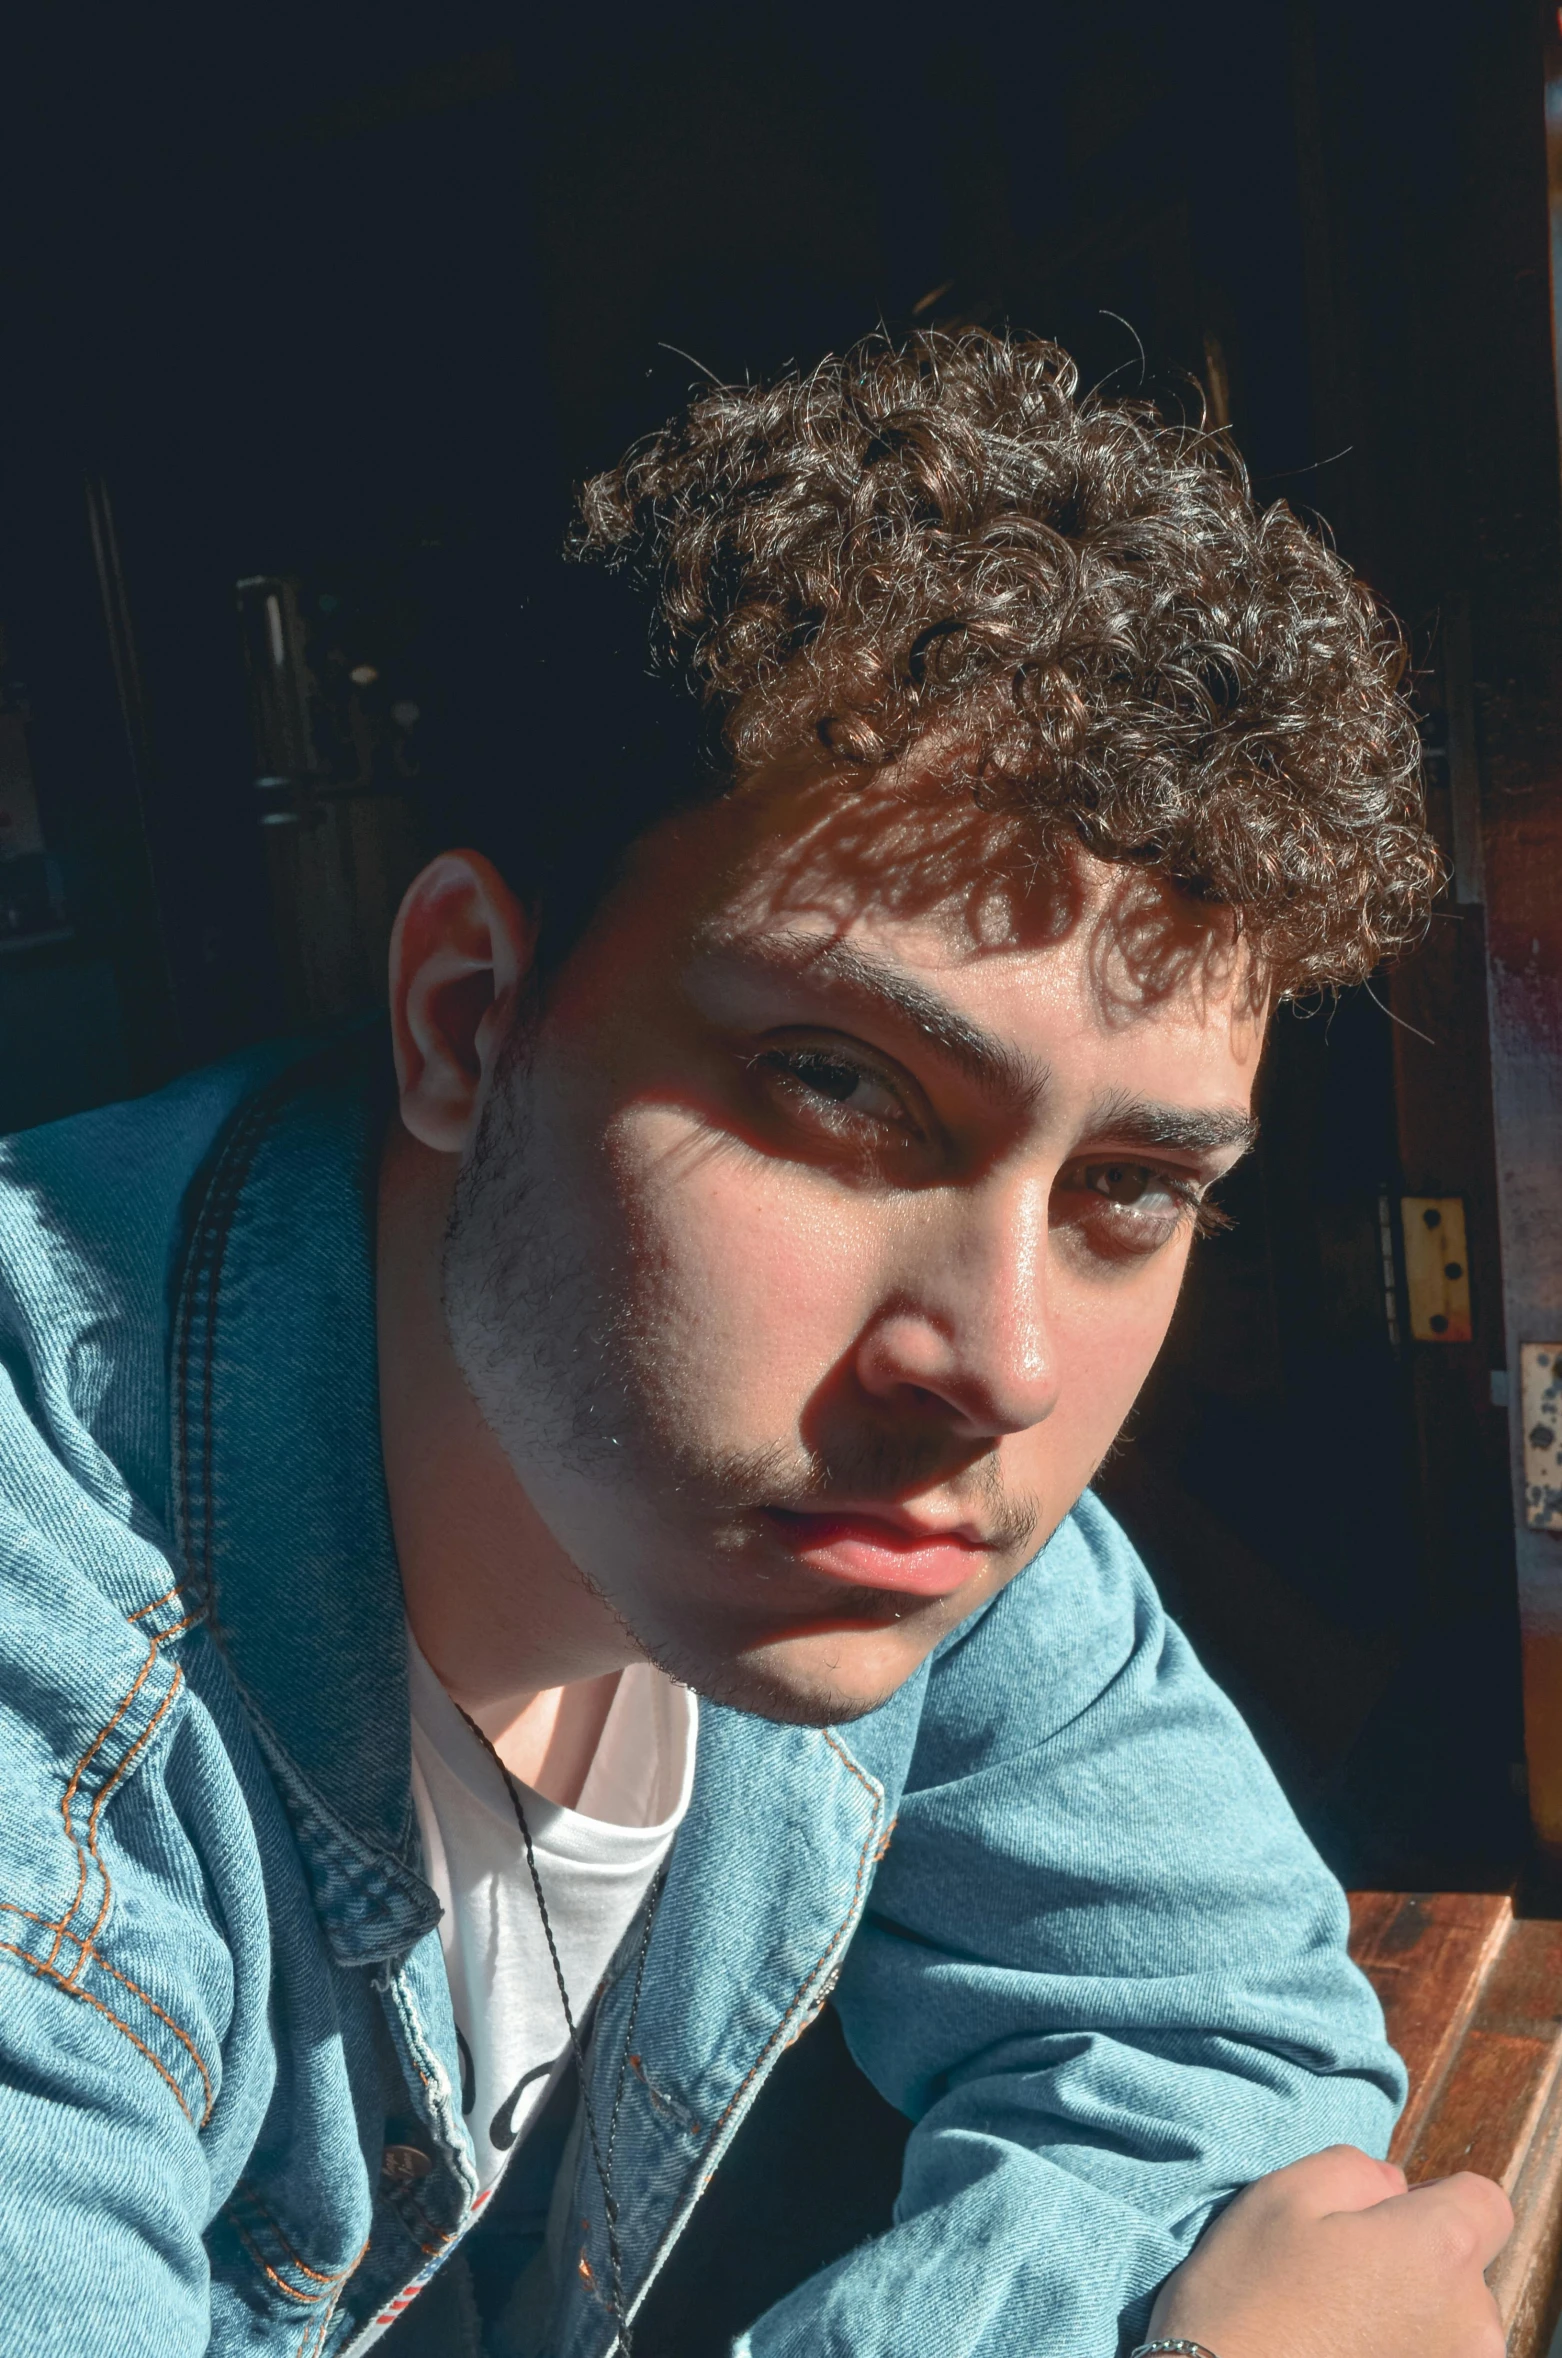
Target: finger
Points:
(1341, 2178)
(1478, 2204)
(1473, 2196)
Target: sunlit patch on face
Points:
(919, 842)
(910, 843)
(1125, 1209)
(858, 1161)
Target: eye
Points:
(1127, 1208)
(1129, 1183)
(833, 1086)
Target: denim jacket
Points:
(1070, 1926)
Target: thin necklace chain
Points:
(602, 2156)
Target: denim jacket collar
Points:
(281, 1506)
(279, 1489)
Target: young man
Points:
(517, 1592)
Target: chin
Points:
(822, 1680)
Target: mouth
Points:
(863, 1550)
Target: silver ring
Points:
(1173, 2349)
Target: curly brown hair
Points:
(1083, 594)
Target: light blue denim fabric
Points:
(1072, 1930)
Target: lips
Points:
(870, 1551)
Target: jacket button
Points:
(402, 2164)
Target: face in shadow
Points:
(820, 1228)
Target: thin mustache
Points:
(881, 1468)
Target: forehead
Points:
(1049, 951)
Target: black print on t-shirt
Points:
(468, 2073)
(501, 2133)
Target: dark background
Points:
(356, 295)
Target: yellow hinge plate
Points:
(1437, 1268)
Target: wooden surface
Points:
(1473, 2001)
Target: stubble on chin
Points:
(745, 1682)
(559, 1356)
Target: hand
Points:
(1332, 2258)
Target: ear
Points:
(461, 948)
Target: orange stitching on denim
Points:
(331, 2286)
(805, 1986)
(182, 2036)
(14, 1908)
(315, 2332)
(162, 1637)
(142, 1611)
(158, 1640)
(96, 1745)
(145, 1738)
(261, 2261)
(70, 1981)
(246, 2191)
(861, 1774)
(39, 1966)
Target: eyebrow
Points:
(1140, 1121)
(880, 988)
(990, 1064)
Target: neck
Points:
(502, 1614)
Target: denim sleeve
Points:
(1104, 1973)
(119, 2120)
(103, 2195)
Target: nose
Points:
(967, 1326)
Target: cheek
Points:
(745, 1279)
(1115, 1334)
(1104, 1338)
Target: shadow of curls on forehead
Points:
(922, 842)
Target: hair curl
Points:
(1082, 594)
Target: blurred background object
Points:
(337, 733)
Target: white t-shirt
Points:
(595, 1863)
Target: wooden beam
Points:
(1500, 301)
(1473, 2001)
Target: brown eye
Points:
(1125, 1183)
(832, 1084)
(828, 1077)
(1125, 1208)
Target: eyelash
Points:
(790, 1067)
(1116, 1222)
